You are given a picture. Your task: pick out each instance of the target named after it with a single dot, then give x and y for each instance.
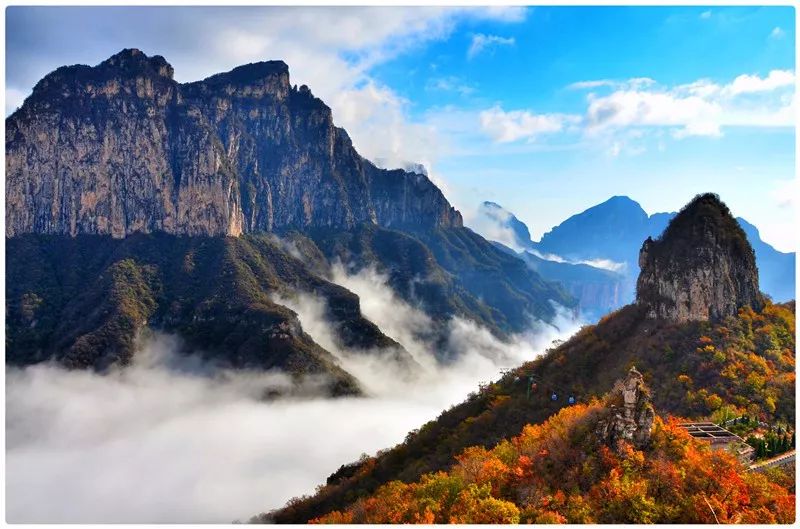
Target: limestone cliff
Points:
(702, 267)
(122, 147)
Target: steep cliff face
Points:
(702, 268)
(121, 148)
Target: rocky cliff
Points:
(122, 147)
(702, 267)
(629, 413)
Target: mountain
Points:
(584, 235)
(701, 268)
(85, 300)
(740, 363)
(507, 228)
(597, 290)
(122, 147)
(611, 230)
(134, 202)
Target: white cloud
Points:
(777, 33)
(481, 42)
(745, 84)
(617, 112)
(505, 127)
(632, 83)
(701, 108)
(503, 13)
(705, 15)
(785, 193)
(596, 83)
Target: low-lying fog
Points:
(172, 440)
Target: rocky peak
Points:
(629, 413)
(135, 62)
(701, 268)
(255, 80)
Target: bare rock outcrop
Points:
(630, 414)
(121, 147)
(702, 267)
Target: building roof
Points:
(710, 431)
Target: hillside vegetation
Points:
(557, 472)
(83, 301)
(741, 365)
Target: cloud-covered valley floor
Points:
(170, 439)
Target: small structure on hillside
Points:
(720, 438)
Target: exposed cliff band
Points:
(122, 147)
(702, 267)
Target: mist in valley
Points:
(172, 439)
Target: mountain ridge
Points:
(238, 152)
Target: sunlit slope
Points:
(745, 363)
(567, 471)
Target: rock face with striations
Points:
(122, 147)
(702, 267)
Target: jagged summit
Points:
(701, 268)
(132, 59)
(121, 148)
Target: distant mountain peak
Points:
(621, 199)
(701, 268)
(504, 226)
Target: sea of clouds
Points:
(171, 439)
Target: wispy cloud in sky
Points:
(700, 108)
(777, 33)
(514, 125)
(481, 43)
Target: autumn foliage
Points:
(557, 472)
(740, 366)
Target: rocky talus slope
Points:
(701, 268)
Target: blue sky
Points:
(545, 110)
